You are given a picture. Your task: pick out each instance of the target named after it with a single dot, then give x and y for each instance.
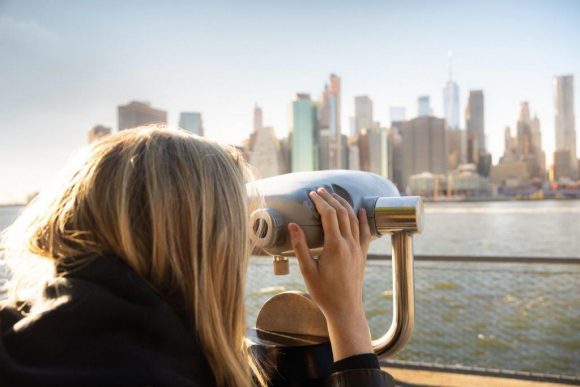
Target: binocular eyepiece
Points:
(277, 201)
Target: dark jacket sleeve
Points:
(359, 370)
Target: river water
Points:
(515, 228)
(522, 317)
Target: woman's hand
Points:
(335, 280)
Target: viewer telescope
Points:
(290, 329)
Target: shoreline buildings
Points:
(428, 155)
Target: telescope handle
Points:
(403, 320)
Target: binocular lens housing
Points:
(284, 199)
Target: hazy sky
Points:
(66, 65)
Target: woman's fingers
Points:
(300, 246)
(365, 231)
(354, 228)
(327, 214)
(341, 212)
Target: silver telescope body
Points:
(277, 201)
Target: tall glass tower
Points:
(451, 99)
(329, 119)
(304, 141)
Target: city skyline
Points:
(62, 83)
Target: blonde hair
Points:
(174, 207)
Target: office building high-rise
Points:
(344, 152)
(456, 144)
(451, 100)
(97, 132)
(537, 145)
(529, 142)
(563, 90)
(475, 125)
(524, 131)
(353, 154)
(192, 122)
(424, 147)
(324, 143)
(395, 157)
(522, 152)
(536, 133)
(363, 113)
(329, 118)
(285, 155)
(258, 119)
(136, 114)
(423, 106)
(304, 136)
(378, 151)
(510, 146)
(373, 151)
(562, 165)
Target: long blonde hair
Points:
(174, 208)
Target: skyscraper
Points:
(304, 138)
(475, 125)
(456, 147)
(136, 114)
(324, 149)
(562, 165)
(329, 118)
(424, 146)
(378, 151)
(395, 157)
(451, 100)
(563, 90)
(423, 106)
(524, 130)
(258, 120)
(363, 112)
(509, 144)
(192, 122)
(524, 151)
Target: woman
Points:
(149, 243)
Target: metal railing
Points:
(518, 314)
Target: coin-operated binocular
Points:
(290, 330)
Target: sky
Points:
(66, 65)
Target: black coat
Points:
(103, 325)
